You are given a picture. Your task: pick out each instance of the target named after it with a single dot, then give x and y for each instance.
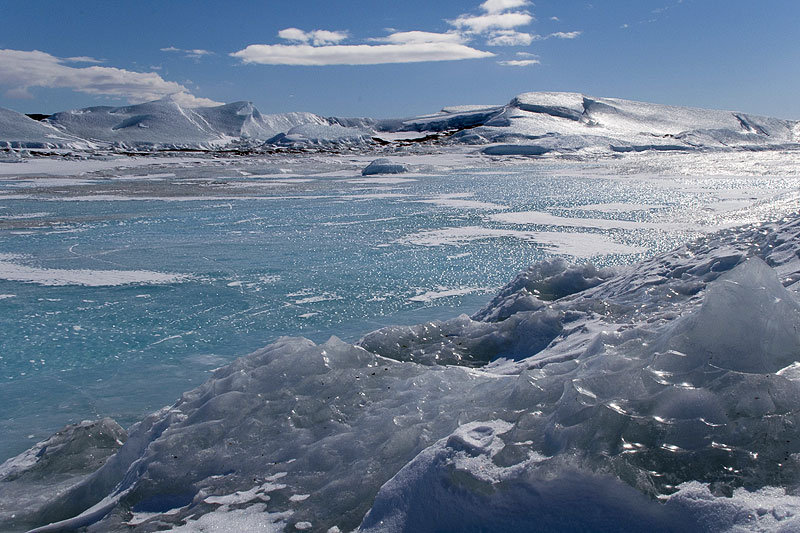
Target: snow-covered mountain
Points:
(541, 122)
(530, 124)
(165, 123)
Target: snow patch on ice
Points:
(567, 243)
(460, 201)
(12, 270)
(444, 292)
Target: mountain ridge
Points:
(532, 123)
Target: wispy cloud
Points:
(22, 70)
(194, 53)
(511, 38)
(360, 54)
(83, 59)
(656, 13)
(519, 62)
(564, 35)
(514, 38)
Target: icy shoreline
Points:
(674, 379)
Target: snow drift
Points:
(664, 395)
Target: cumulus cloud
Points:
(511, 38)
(22, 70)
(498, 6)
(491, 21)
(519, 62)
(362, 54)
(315, 37)
(293, 34)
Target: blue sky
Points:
(413, 56)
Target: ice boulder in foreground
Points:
(30, 480)
(476, 480)
(471, 481)
(665, 396)
(384, 166)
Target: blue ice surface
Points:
(313, 258)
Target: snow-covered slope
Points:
(20, 131)
(576, 400)
(571, 121)
(242, 119)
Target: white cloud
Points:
(499, 22)
(514, 38)
(195, 53)
(83, 59)
(323, 37)
(362, 54)
(519, 62)
(21, 70)
(198, 52)
(293, 34)
(498, 6)
(511, 38)
(406, 37)
(315, 37)
(565, 34)
(492, 21)
(555, 19)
